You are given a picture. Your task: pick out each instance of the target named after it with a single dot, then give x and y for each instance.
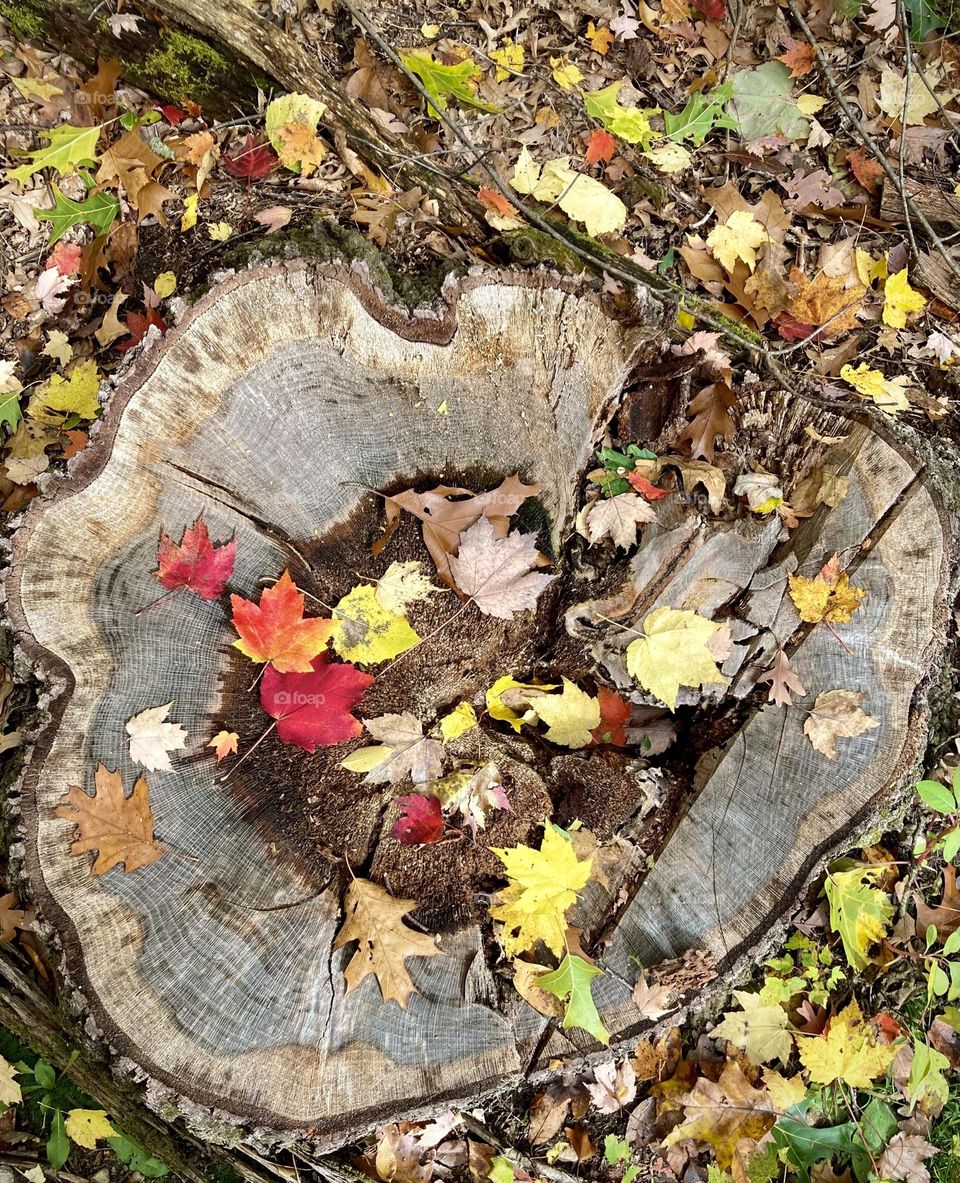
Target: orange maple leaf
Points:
(274, 630)
(224, 743)
(800, 57)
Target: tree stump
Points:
(286, 404)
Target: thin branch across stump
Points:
(284, 407)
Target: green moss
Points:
(24, 23)
(181, 66)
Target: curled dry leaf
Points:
(615, 1085)
(836, 714)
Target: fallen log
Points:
(284, 407)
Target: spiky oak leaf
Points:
(543, 885)
(899, 298)
(420, 821)
(570, 716)
(711, 410)
(836, 714)
(457, 722)
(615, 1085)
(274, 630)
(618, 518)
(367, 632)
(652, 999)
(195, 563)
(783, 680)
(846, 1052)
(496, 573)
(118, 828)
(403, 751)
(224, 743)
(723, 1113)
(737, 238)
(570, 982)
(10, 1093)
(313, 709)
(403, 584)
(151, 739)
(86, 1126)
(763, 1032)
(859, 911)
(674, 652)
(818, 599)
(374, 919)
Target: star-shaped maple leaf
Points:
(274, 630)
(195, 563)
(313, 709)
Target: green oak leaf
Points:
(68, 147)
(100, 210)
(570, 982)
(762, 103)
(445, 81)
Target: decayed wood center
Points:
(282, 401)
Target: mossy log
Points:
(214, 969)
(217, 53)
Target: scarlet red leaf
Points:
(714, 10)
(600, 146)
(420, 822)
(137, 326)
(791, 329)
(313, 709)
(614, 716)
(639, 483)
(274, 630)
(195, 563)
(251, 160)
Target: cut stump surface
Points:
(285, 404)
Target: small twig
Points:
(869, 142)
(902, 155)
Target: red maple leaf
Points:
(195, 563)
(614, 716)
(639, 483)
(137, 326)
(67, 257)
(600, 146)
(274, 630)
(800, 56)
(420, 822)
(313, 709)
(252, 160)
(497, 202)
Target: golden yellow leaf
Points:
(219, 231)
(498, 709)
(462, 718)
(810, 104)
(509, 58)
(74, 395)
(579, 196)
(899, 298)
(565, 74)
(85, 1126)
(846, 1052)
(600, 39)
(673, 653)
(188, 219)
(543, 885)
(888, 393)
(737, 238)
(832, 598)
(366, 759)
(165, 284)
(367, 632)
(724, 1113)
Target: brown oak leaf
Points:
(711, 408)
(117, 827)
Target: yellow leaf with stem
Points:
(570, 716)
(888, 393)
(86, 1126)
(367, 632)
(461, 719)
(846, 1052)
(498, 709)
(673, 652)
(899, 299)
(543, 885)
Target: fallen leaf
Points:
(151, 738)
(274, 630)
(711, 410)
(496, 572)
(87, 1126)
(737, 238)
(653, 999)
(420, 822)
(224, 743)
(374, 919)
(859, 911)
(10, 1092)
(403, 584)
(578, 195)
(836, 714)
(945, 917)
(474, 794)
(615, 1085)
(865, 169)
(893, 101)
(799, 57)
(846, 1052)
(724, 1113)
(312, 708)
(763, 1032)
(888, 393)
(784, 682)
(814, 188)
(195, 563)
(570, 716)
(13, 919)
(903, 1158)
(618, 518)
(615, 713)
(674, 652)
(366, 632)
(762, 103)
(118, 828)
(252, 160)
(831, 596)
(899, 299)
(570, 981)
(457, 722)
(403, 751)
(600, 146)
(291, 126)
(76, 394)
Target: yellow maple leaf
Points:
(818, 599)
(498, 709)
(10, 1093)
(673, 653)
(85, 1126)
(565, 74)
(219, 231)
(365, 631)
(543, 885)
(509, 58)
(737, 238)
(580, 197)
(600, 39)
(570, 716)
(846, 1052)
(299, 147)
(669, 158)
(888, 393)
(224, 743)
(461, 719)
(74, 395)
(899, 298)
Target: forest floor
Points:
(751, 155)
